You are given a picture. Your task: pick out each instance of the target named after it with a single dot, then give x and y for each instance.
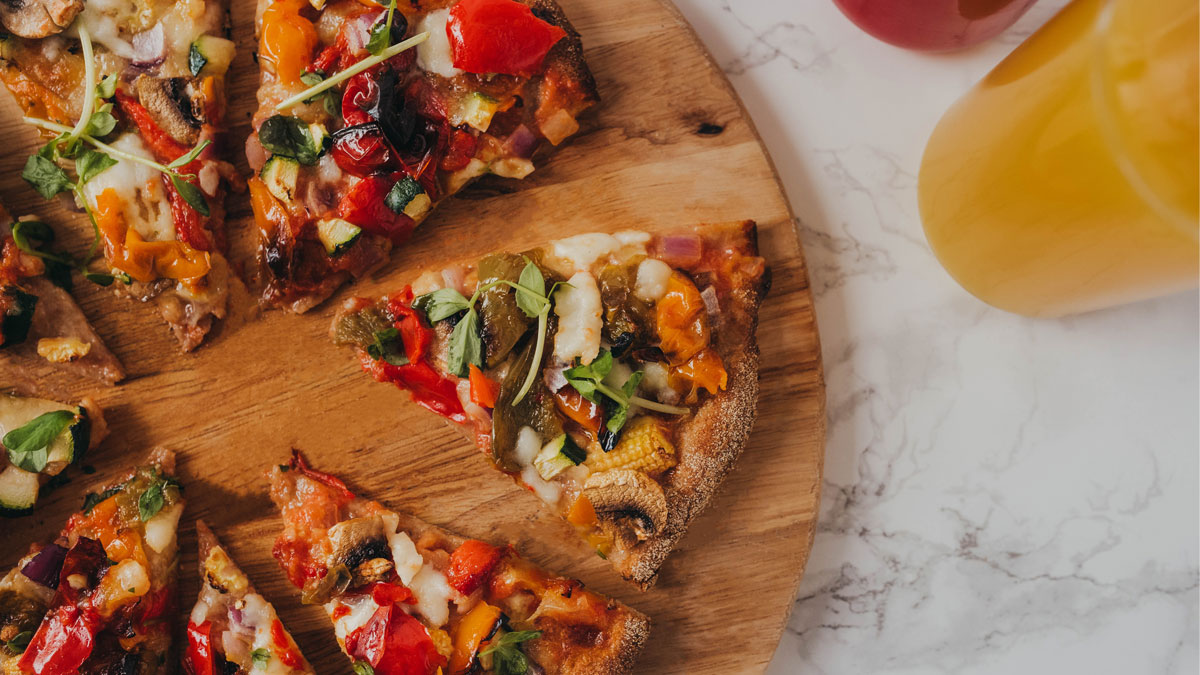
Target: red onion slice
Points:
(149, 47)
(522, 142)
(711, 305)
(681, 250)
(46, 566)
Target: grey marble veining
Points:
(1002, 495)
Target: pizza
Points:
(408, 597)
(371, 113)
(613, 375)
(232, 629)
(130, 96)
(39, 317)
(100, 598)
(40, 438)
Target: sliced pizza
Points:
(232, 629)
(101, 597)
(614, 375)
(40, 439)
(372, 113)
(130, 96)
(407, 597)
(40, 318)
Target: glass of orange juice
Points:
(1069, 178)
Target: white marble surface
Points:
(1002, 495)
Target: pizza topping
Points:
(578, 307)
(629, 500)
(470, 565)
(38, 18)
(288, 40)
(499, 36)
(477, 627)
(433, 594)
(652, 278)
(434, 55)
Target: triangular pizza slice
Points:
(101, 597)
(613, 375)
(38, 317)
(232, 629)
(130, 97)
(372, 113)
(406, 597)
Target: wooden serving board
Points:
(669, 147)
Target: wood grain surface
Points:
(670, 146)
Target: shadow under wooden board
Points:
(670, 146)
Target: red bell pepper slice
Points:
(165, 148)
(389, 594)
(298, 464)
(459, 153)
(188, 227)
(484, 390)
(283, 646)
(499, 36)
(198, 659)
(62, 643)
(395, 643)
(470, 565)
(427, 386)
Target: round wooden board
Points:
(670, 146)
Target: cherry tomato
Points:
(499, 36)
(460, 152)
(361, 98)
(470, 564)
(395, 643)
(361, 150)
(389, 594)
(364, 206)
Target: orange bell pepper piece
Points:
(473, 631)
(681, 320)
(705, 370)
(582, 512)
(288, 39)
(484, 390)
(143, 260)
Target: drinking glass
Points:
(933, 25)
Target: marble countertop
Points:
(1001, 494)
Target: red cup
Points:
(933, 25)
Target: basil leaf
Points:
(191, 155)
(107, 86)
(531, 301)
(19, 642)
(50, 150)
(441, 304)
(90, 164)
(585, 386)
(388, 347)
(311, 79)
(191, 194)
(363, 668)
(29, 445)
(260, 657)
(94, 498)
(466, 347)
(288, 136)
(151, 501)
(45, 176)
(101, 123)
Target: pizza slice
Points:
(615, 376)
(101, 597)
(407, 597)
(232, 629)
(371, 114)
(130, 96)
(40, 438)
(40, 318)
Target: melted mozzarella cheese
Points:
(546, 491)
(580, 252)
(161, 529)
(361, 607)
(433, 594)
(101, 18)
(434, 55)
(652, 276)
(529, 443)
(405, 556)
(579, 319)
(145, 205)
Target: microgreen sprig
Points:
(353, 70)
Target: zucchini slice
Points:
(337, 235)
(19, 487)
(210, 55)
(408, 197)
(557, 456)
(16, 315)
(281, 175)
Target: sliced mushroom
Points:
(630, 500)
(375, 569)
(174, 104)
(38, 18)
(358, 540)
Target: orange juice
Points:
(1069, 178)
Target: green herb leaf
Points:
(29, 445)
(90, 163)
(466, 347)
(100, 278)
(381, 32)
(45, 176)
(260, 657)
(388, 347)
(363, 668)
(19, 642)
(101, 124)
(196, 60)
(616, 418)
(441, 304)
(94, 498)
(507, 657)
(107, 86)
(191, 194)
(191, 155)
(531, 294)
(32, 236)
(311, 79)
(586, 378)
(151, 501)
(288, 136)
